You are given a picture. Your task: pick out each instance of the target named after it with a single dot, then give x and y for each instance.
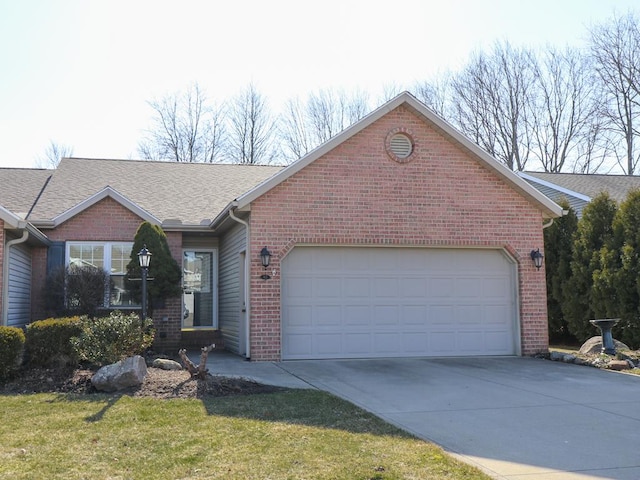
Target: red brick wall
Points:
(357, 195)
(108, 221)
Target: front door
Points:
(198, 289)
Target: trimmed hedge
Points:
(11, 348)
(50, 340)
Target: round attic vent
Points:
(401, 145)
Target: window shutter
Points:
(55, 256)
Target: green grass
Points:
(299, 434)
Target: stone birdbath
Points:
(605, 325)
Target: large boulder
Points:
(126, 373)
(594, 346)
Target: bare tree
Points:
(185, 128)
(305, 125)
(563, 120)
(53, 153)
(436, 94)
(490, 102)
(251, 129)
(615, 49)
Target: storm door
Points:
(198, 289)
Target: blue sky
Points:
(80, 72)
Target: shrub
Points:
(50, 339)
(75, 290)
(109, 339)
(11, 348)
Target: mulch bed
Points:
(157, 384)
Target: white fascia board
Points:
(10, 218)
(13, 221)
(547, 206)
(555, 187)
(101, 195)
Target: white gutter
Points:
(247, 282)
(5, 274)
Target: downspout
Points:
(5, 274)
(247, 281)
(548, 224)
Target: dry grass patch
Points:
(296, 434)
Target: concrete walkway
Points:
(515, 418)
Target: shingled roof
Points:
(580, 188)
(191, 193)
(20, 188)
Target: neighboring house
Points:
(579, 189)
(398, 237)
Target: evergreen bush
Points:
(50, 340)
(11, 350)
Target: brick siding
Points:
(109, 221)
(357, 195)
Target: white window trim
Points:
(107, 246)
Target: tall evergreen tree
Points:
(595, 230)
(163, 269)
(617, 283)
(558, 239)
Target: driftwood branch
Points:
(197, 371)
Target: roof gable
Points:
(101, 195)
(547, 206)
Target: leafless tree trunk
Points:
(564, 121)
(185, 129)
(615, 49)
(251, 129)
(53, 153)
(491, 98)
(436, 94)
(326, 113)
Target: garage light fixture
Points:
(537, 258)
(265, 258)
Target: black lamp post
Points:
(144, 257)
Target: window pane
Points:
(120, 256)
(119, 296)
(86, 255)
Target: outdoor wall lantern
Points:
(265, 258)
(144, 257)
(537, 257)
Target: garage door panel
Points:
(367, 302)
(356, 315)
(328, 315)
(386, 287)
(358, 343)
(356, 287)
(414, 315)
(385, 315)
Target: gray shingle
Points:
(20, 187)
(591, 185)
(191, 192)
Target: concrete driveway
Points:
(515, 418)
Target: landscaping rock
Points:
(166, 364)
(618, 365)
(568, 358)
(556, 356)
(126, 373)
(594, 346)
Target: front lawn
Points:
(297, 434)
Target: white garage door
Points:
(346, 302)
